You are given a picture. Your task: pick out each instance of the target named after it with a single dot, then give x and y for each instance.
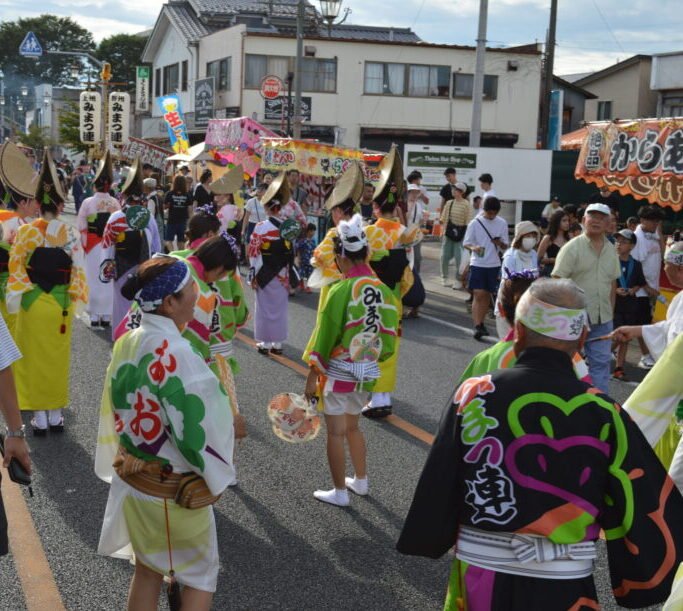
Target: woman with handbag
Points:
(455, 216)
(165, 443)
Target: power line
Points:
(597, 8)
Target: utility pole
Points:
(478, 80)
(300, 17)
(548, 69)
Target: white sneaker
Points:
(333, 497)
(457, 285)
(646, 362)
(357, 485)
(444, 282)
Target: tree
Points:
(69, 128)
(53, 33)
(36, 138)
(124, 53)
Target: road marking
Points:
(438, 321)
(397, 421)
(37, 580)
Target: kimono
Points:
(528, 466)
(292, 210)
(46, 280)
(10, 222)
(127, 248)
(271, 259)
(92, 219)
(161, 402)
(389, 260)
(358, 305)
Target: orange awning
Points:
(574, 140)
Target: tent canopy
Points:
(198, 152)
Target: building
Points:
(622, 91)
(574, 104)
(362, 85)
(667, 83)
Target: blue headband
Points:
(170, 282)
(234, 246)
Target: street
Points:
(279, 548)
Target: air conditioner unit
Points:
(309, 51)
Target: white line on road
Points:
(438, 321)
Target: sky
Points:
(591, 34)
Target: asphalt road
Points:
(279, 548)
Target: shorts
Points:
(643, 311)
(176, 230)
(625, 318)
(4, 547)
(340, 403)
(484, 279)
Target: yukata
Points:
(162, 403)
(127, 248)
(271, 258)
(389, 260)
(304, 250)
(92, 219)
(357, 324)
(46, 281)
(292, 210)
(528, 466)
(10, 222)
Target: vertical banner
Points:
(142, 88)
(173, 115)
(555, 120)
(90, 111)
(119, 117)
(204, 96)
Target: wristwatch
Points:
(20, 432)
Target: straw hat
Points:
(278, 189)
(230, 182)
(133, 186)
(390, 171)
(49, 189)
(348, 187)
(16, 172)
(105, 172)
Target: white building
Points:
(667, 82)
(372, 86)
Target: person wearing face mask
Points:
(520, 257)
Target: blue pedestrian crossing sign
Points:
(30, 47)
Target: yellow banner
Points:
(311, 158)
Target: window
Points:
(604, 111)
(318, 75)
(221, 71)
(672, 106)
(170, 78)
(157, 82)
(463, 85)
(183, 76)
(411, 80)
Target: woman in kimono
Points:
(341, 205)
(46, 280)
(17, 184)
(165, 427)
(130, 238)
(529, 466)
(357, 329)
(92, 219)
(271, 256)
(389, 242)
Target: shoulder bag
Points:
(500, 256)
(454, 232)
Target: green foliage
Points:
(69, 128)
(36, 138)
(123, 52)
(54, 33)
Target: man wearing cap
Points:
(46, 281)
(455, 216)
(446, 192)
(486, 184)
(592, 262)
(529, 466)
(92, 219)
(156, 210)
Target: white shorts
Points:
(340, 403)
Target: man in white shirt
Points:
(415, 209)
(549, 210)
(648, 250)
(486, 238)
(486, 183)
(253, 213)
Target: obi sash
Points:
(130, 251)
(4, 259)
(278, 256)
(390, 269)
(49, 267)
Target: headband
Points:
(206, 209)
(170, 282)
(232, 242)
(553, 321)
(525, 274)
(351, 234)
(675, 257)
